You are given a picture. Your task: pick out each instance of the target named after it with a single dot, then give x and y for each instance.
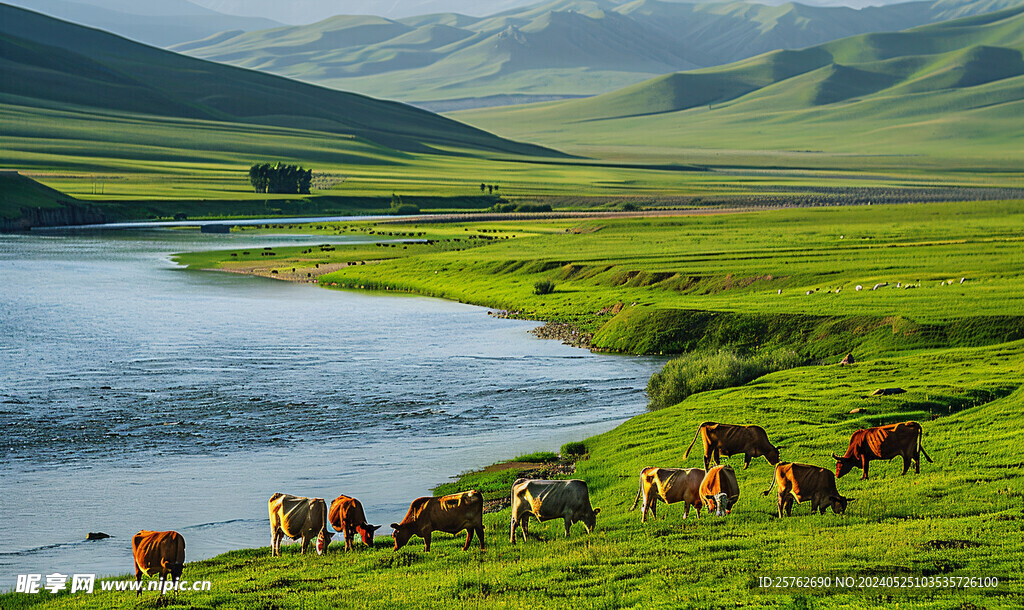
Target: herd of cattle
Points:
(714, 488)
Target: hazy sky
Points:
(308, 11)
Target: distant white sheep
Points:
(859, 288)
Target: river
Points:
(138, 395)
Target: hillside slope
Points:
(949, 89)
(51, 64)
(558, 48)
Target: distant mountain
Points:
(160, 24)
(559, 48)
(954, 89)
(50, 64)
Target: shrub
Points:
(629, 206)
(574, 449)
(539, 457)
(702, 371)
(533, 207)
(544, 287)
(405, 209)
(503, 207)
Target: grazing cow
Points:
(883, 443)
(802, 482)
(728, 439)
(450, 514)
(544, 500)
(670, 485)
(296, 518)
(346, 516)
(160, 553)
(719, 490)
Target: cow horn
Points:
(394, 526)
(836, 457)
(374, 528)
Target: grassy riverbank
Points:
(961, 515)
(703, 283)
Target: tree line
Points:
(280, 178)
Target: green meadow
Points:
(957, 350)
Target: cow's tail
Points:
(699, 428)
(639, 493)
(920, 447)
(770, 487)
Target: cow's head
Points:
(590, 520)
(844, 464)
(773, 455)
(838, 504)
(322, 540)
(401, 534)
(718, 503)
(366, 531)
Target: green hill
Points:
(560, 48)
(51, 64)
(953, 90)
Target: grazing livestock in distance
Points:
(719, 490)
(160, 553)
(729, 439)
(545, 500)
(802, 482)
(883, 443)
(346, 516)
(297, 517)
(670, 485)
(450, 514)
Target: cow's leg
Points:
(138, 579)
(305, 544)
(789, 506)
(686, 510)
(906, 464)
(276, 543)
(525, 524)
(746, 460)
(568, 523)
(480, 536)
(512, 529)
(426, 541)
(917, 463)
(781, 503)
(654, 507)
(707, 460)
(864, 466)
(469, 537)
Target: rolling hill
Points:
(953, 90)
(47, 65)
(556, 49)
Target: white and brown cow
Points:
(545, 499)
(298, 517)
(719, 490)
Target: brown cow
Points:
(450, 514)
(729, 439)
(670, 485)
(568, 500)
(158, 552)
(298, 517)
(883, 443)
(346, 516)
(719, 490)
(802, 482)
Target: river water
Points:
(138, 395)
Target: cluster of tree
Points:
(490, 188)
(402, 209)
(504, 206)
(280, 178)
